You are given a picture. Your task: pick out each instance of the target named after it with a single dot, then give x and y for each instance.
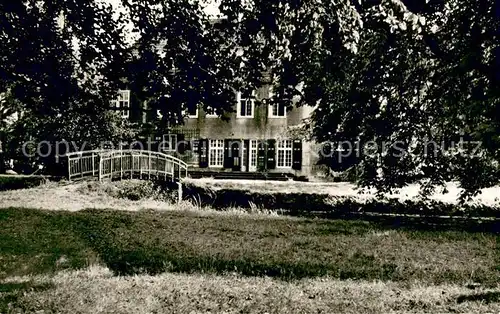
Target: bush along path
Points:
(14, 182)
(333, 206)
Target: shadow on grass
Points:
(153, 261)
(126, 254)
(154, 242)
(487, 297)
(35, 242)
(420, 223)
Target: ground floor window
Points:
(284, 154)
(256, 155)
(216, 153)
(253, 153)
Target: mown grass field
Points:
(136, 252)
(96, 290)
(290, 249)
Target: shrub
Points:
(20, 182)
(308, 203)
(137, 190)
(133, 190)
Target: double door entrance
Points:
(241, 155)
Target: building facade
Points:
(256, 138)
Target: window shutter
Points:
(238, 103)
(133, 116)
(155, 141)
(173, 142)
(181, 145)
(203, 152)
(245, 154)
(297, 155)
(150, 115)
(227, 160)
(261, 155)
(271, 154)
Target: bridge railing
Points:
(106, 164)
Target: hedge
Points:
(307, 203)
(14, 182)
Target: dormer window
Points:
(122, 103)
(192, 112)
(246, 104)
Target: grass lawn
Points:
(96, 290)
(187, 260)
(152, 242)
(289, 248)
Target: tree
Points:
(390, 77)
(63, 61)
(180, 60)
(58, 71)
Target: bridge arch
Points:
(109, 164)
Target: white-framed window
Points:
(253, 153)
(216, 153)
(275, 110)
(122, 102)
(169, 142)
(210, 113)
(284, 151)
(191, 112)
(245, 104)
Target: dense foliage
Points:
(62, 62)
(20, 182)
(411, 88)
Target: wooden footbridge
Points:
(120, 164)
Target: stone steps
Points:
(236, 175)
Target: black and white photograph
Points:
(249, 156)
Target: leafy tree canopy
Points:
(414, 85)
(63, 61)
(401, 75)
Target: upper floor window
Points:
(246, 104)
(122, 102)
(192, 112)
(277, 110)
(210, 113)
